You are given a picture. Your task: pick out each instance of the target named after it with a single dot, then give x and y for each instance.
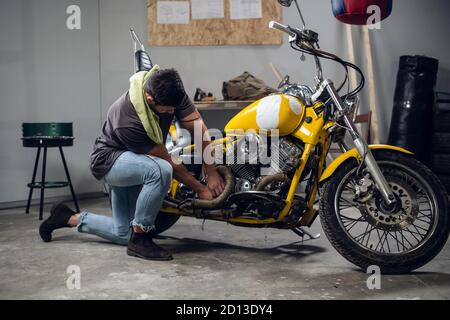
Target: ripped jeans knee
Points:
(144, 228)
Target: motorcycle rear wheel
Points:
(164, 221)
(397, 240)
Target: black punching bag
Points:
(413, 105)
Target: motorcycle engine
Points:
(248, 167)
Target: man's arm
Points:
(215, 181)
(181, 173)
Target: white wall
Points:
(415, 27)
(48, 73)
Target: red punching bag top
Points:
(359, 11)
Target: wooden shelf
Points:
(221, 105)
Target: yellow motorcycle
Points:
(378, 205)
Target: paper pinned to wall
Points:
(245, 9)
(208, 9)
(173, 12)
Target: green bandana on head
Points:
(148, 117)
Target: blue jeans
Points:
(139, 184)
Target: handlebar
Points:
(297, 35)
(305, 39)
(137, 42)
(283, 28)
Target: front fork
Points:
(360, 145)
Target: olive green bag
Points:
(246, 87)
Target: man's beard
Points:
(152, 106)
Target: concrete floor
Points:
(219, 262)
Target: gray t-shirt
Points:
(123, 131)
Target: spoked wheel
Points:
(397, 238)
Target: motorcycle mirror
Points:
(285, 3)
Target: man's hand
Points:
(181, 174)
(215, 182)
(205, 194)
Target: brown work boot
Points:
(141, 245)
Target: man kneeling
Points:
(131, 157)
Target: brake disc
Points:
(397, 216)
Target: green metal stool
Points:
(43, 136)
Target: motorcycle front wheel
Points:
(367, 232)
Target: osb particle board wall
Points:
(217, 31)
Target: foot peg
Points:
(301, 232)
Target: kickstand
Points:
(300, 231)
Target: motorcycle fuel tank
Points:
(278, 111)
